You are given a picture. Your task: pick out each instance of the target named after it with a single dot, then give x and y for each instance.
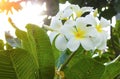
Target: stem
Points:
(67, 61)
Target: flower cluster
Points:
(75, 26)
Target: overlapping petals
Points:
(100, 26)
(72, 30)
(60, 40)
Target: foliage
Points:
(33, 60)
(31, 55)
(114, 43)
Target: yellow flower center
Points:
(79, 34)
(99, 28)
(95, 13)
(79, 13)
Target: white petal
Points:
(96, 41)
(103, 42)
(87, 44)
(56, 24)
(73, 44)
(52, 36)
(75, 7)
(66, 13)
(81, 22)
(87, 9)
(68, 31)
(61, 42)
(104, 22)
(103, 45)
(58, 15)
(91, 32)
(91, 20)
(69, 23)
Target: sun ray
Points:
(31, 13)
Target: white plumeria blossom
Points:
(79, 34)
(70, 29)
(73, 10)
(65, 14)
(99, 25)
(60, 41)
(79, 11)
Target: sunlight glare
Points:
(31, 13)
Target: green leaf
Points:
(17, 64)
(44, 52)
(112, 69)
(1, 45)
(85, 68)
(22, 35)
(27, 43)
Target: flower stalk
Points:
(66, 61)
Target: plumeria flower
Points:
(78, 34)
(79, 11)
(100, 26)
(65, 14)
(60, 40)
(73, 10)
(77, 30)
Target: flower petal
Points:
(81, 22)
(68, 30)
(75, 8)
(87, 9)
(56, 24)
(73, 44)
(67, 12)
(61, 42)
(91, 32)
(104, 22)
(103, 43)
(52, 36)
(69, 23)
(87, 44)
(91, 20)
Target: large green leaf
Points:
(22, 35)
(40, 40)
(37, 43)
(27, 43)
(17, 64)
(85, 68)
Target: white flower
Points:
(100, 26)
(73, 10)
(78, 34)
(60, 40)
(79, 11)
(65, 14)
(77, 30)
